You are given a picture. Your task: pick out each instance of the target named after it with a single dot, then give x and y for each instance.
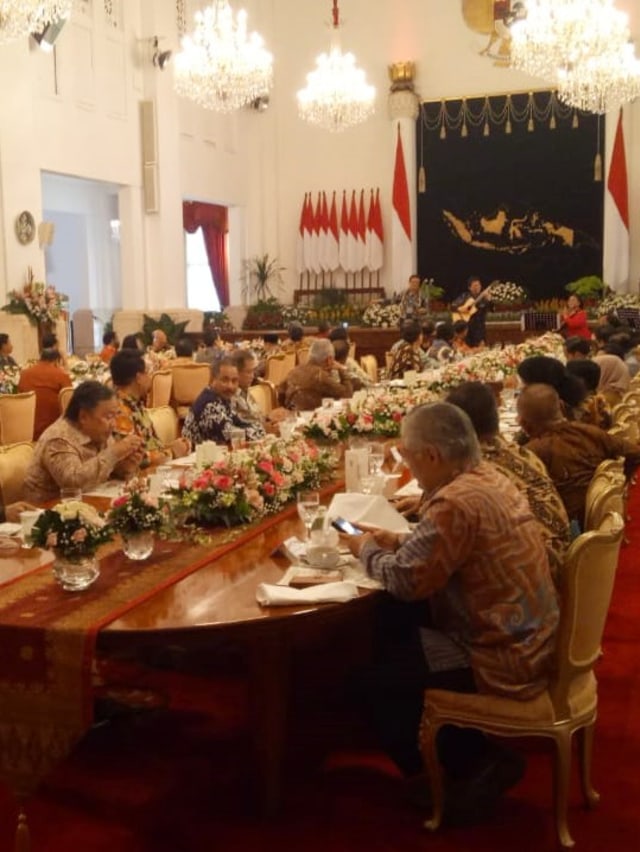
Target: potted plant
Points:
(261, 274)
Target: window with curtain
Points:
(201, 290)
(210, 221)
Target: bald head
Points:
(538, 408)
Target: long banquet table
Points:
(193, 595)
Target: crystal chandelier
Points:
(20, 17)
(337, 94)
(602, 82)
(582, 48)
(220, 66)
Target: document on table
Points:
(368, 509)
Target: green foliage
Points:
(266, 313)
(428, 288)
(329, 297)
(173, 330)
(218, 319)
(261, 274)
(589, 287)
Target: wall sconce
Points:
(160, 58)
(46, 37)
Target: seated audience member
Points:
(132, 382)
(519, 464)
(628, 341)
(441, 349)
(474, 524)
(160, 352)
(212, 346)
(6, 348)
(46, 378)
(132, 341)
(594, 408)
(271, 347)
(409, 354)
(570, 451)
(184, 352)
(245, 405)
(50, 341)
(459, 342)
(323, 329)
(295, 338)
(355, 372)
(542, 369)
(78, 450)
(577, 348)
(428, 332)
(109, 346)
(213, 414)
(602, 333)
(614, 374)
(308, 384)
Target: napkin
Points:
(411, 489)
(271, 595)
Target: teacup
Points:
(322, 556)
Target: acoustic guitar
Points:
(469, 307)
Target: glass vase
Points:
(138, 545)
(74, 575)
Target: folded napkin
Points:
(270, 595)
(411, 489)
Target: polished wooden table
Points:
(216, 605)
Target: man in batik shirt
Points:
(213, 414)
(132, 381)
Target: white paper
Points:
(368, 509)
(272, 595)
(411, 489)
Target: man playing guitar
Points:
(472, 306)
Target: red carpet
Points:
(180, 780)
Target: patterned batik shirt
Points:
(478, 555)
(133, 419)
(212, 416)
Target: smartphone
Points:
(345, 526)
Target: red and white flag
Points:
(316, 242)
(362, 233)
(616, 236)
(344, 233)
(332, 248)
(324, 232)
(354, 260)
(308, 232)
(375, 234)
(401, 218)
(300, 264)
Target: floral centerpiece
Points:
(40, 302)
(9, 378)
(82, 371)
(249, 483)
(137, 516)
(74, 531)
(616, 301)
(507, 295)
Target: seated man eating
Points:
(78, 451)
(488, 610)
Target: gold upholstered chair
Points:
(189, 380)
(17, 417)
(64, 395)
(279, 366)
(165, 423)
(369, 364)
(569, 705)
(161, 386)
(264, 394)
(14, 461)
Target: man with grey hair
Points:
(244, 404)
(308, 384)
(477, 563)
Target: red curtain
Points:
(213, 220)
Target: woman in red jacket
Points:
(574, 319)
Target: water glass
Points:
(237, 437)
(27, 520)
(308, 507)
(70, 493)
(376, 460)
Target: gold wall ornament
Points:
(401, 75)
(25, 227)
(491, 18)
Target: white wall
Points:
(80, 116)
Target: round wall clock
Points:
(25, 227)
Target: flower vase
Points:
(74, 575)
(138, 545)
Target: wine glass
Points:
(376, 460)
(308, 506)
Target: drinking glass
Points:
(237, 437)
(376, 460)
(308, 507)
(71, 493)
(27, 520)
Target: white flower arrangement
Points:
(616, 301)
(507, 293)
(378, 315)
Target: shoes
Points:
(470, 800)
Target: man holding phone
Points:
(474, 525)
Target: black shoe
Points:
(470, 800)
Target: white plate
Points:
(7, 528)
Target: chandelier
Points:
(582, 48)
(220, 66)
(337, 94)
(20, 17)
